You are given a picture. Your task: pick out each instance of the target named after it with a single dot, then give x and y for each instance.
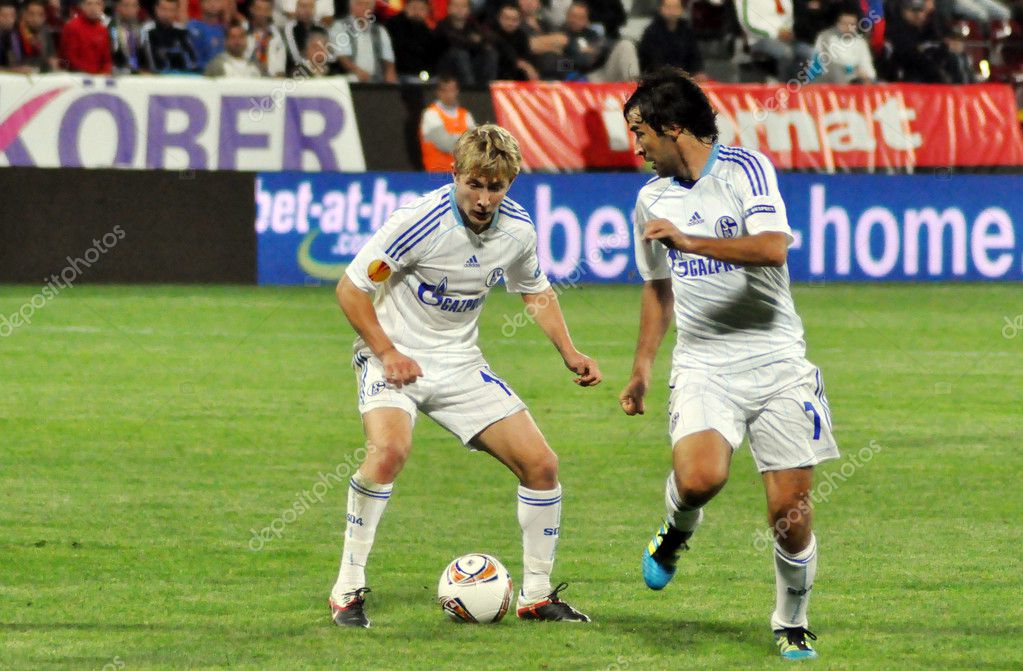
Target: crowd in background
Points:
(478, 41)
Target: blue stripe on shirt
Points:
(745, 169)
(410, 231)
(758, 171)
(423, 231)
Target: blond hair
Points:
(488, 151)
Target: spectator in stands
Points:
(841, 54)
(669, 40)
(296, 31)
(32, 49)
(266, 44)
(768, 28)
(950, 59)
(443, 122)
(594, 56)
(126, 37)
(606, 17)
(8, 39)
(84, 43)
(512, 45)
(810, 18)
(546, 44)
(910, 33)
(232, 62)
(415, 46)
(167, 47)
(322, 12)
(207, 34)
(362, 45)
(468, 55)
(318, 61)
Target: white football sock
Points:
(540, 518)
(681, 516)
(366, 503)
(794, 576)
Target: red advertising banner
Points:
(573, 126)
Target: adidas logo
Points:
(472, 262)
(695, 220)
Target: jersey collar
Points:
(454, 206)
(688, 184)
(710, 160)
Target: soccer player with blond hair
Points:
(414, 294)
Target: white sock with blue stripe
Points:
(793, 577)
(680, 516)
(540, 518)
(366, 503)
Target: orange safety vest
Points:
(435, 160)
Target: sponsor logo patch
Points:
(727, 228)
(378, 271)
(495, 276)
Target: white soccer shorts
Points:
(464, 399)
(782, 406)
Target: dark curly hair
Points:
(669, 97)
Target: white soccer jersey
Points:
(729, 318)
(442, 271)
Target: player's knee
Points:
(698, 486)
(387, 458)
(791, 520)
(540, 471)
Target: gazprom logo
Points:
(433, 295)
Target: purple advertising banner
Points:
(178, 123)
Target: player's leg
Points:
(388, 415)
(705, 427)
(700, 470)
(795, 557)
(517, 443)
(388, 440)
(788, 437)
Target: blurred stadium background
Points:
(177, 410)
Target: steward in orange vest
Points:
(443, 121)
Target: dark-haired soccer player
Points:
(711, 229)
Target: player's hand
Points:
(400, 369)
(585, 367)
(666, 233)
(631, 398)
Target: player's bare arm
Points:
(654, 319)
(763, 249)
(358, 308)
(547, 312)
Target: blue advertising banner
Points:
(846, 227)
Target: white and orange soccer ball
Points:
(475, 588)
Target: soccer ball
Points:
(475, 588)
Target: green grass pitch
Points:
(146, 431)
